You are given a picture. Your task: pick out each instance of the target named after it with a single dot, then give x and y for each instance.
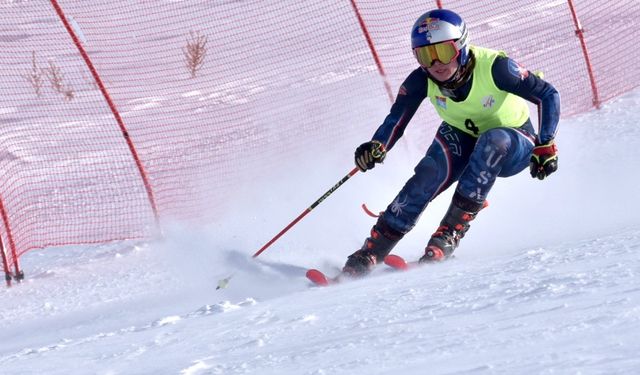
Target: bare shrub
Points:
(34, 77)
(56, 79)
(195, 52)
(55, 76)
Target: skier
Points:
(485, 133)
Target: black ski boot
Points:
(452, 228)
(373, 251)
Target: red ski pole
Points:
(305, 212)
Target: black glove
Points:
(369, 153)
(544, 160)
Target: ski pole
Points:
(305, 212)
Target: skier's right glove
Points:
(368, 154)
(544, 160)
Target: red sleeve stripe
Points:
(396, 129)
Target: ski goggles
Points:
(444, 52)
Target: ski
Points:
(318, 278)
(398, 263)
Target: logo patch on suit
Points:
(441, 101)
(518, 70)
(488, 101)
(397, 206)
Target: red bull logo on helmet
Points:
(429, 24)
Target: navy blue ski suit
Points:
(454, 155)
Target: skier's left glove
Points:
(544, 160)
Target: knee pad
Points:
(496, 139)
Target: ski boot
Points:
(375, 248)
(452, 228)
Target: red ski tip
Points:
(396, 262)
(317, 277)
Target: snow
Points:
(547, 281)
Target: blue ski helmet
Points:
(441, 25)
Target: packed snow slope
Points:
(547, 281)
